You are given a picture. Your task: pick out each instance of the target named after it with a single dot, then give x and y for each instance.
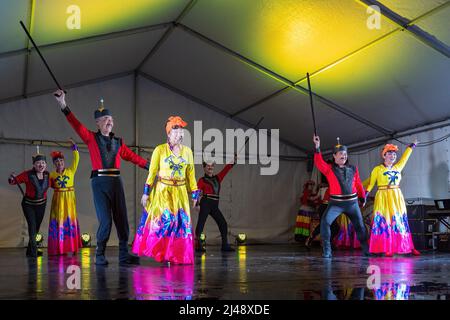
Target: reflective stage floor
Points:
(252, 272)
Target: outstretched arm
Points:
(21, 178)
(128, 155)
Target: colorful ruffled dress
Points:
(304, 215)
(64, 231)
(165, 231)
(390, 231)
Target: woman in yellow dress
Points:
(165, 229)
(390, 233)
(64, 230)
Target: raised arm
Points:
(128, 155)
(76, 157)
(405, 156)
(323, 167)
(79, 128)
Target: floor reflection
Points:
(164, 283)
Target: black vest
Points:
(40, 186)
(345, 177)
(213, 182)
(108, 147)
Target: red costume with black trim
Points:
(208, 186)
(209, 205)
(89, 138)
(345, 188)
(34, 190)
(33, 204)
(345, 183)
(107, 187)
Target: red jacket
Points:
(34, 190)
(336, 183)
(208, 188)
(89, 138)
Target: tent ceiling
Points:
(289, 37)
(438, 25)
(238, 56)
(12, 74)
(11, 12)
(411, 9)
(388, 89)
(93, 59)
(100, 17)
(208, 73)
(291, 113)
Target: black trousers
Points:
(110, 205)
(351, 210)
(211, 207)
(334, 225)
(34, 214)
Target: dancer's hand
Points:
(12, 178)
(144, 200)
(194, 203)
(316, 141)
(60, 97)
(416, 142)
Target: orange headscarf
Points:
(174, 121)
(389, 147)
(56, 155)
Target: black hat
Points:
(339, 147)
(101, 111)
(38, 156)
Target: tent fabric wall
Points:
(249, 201)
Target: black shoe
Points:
(227, 248)
(39, 253)
(130, 260)
(101, 260)
(365, 250)
(308, 243)
(326, 249)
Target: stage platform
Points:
(260, 272)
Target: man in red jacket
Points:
(106, 150)
(345, 190)
(209, 185)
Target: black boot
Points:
(365, 249)
(308, 243)
(100, 259)
(200, 246)
(326, 249)
(124, 257)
